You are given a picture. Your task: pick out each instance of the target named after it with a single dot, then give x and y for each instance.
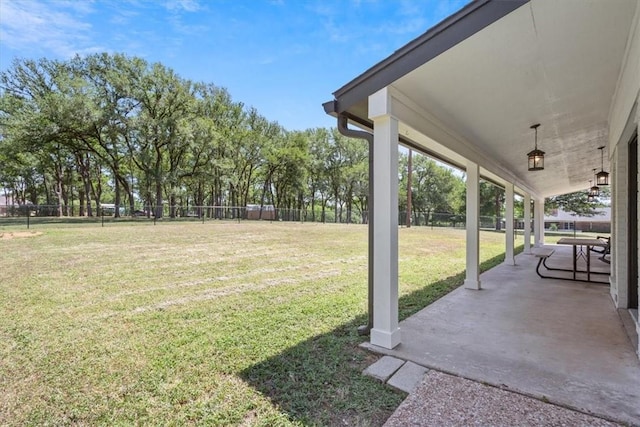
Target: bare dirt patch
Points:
(8, 235)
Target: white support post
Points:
(385, 332)
(538, 223)
(613, 285)
(472, 280)
(509, 257)
(620, 233)
(527, 223)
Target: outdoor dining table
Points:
(581, 253)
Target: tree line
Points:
(109, 128)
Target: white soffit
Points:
(550, 62)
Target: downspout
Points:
(344, 130)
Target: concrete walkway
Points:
(558, 341)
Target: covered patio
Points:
(556, 340)
(479, 91)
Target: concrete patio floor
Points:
(556, 340)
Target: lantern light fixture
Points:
(536, 157)
(595, 190)
(602, 178)
(590, 196)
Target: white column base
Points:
(472, 284)
(510, 261)
(385, 339)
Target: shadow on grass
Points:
(320, 381)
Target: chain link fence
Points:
(37, 215)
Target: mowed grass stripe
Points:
(218, 323)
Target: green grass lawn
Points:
(221, 323)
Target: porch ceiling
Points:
(551, 62)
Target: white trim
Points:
(385, 332)
(509, 215)
(472, 280)
(619, 245)
(538, 223)
(527, 223)
(627, 86)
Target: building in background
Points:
(561, 220)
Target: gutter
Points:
(343, 128)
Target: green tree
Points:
(435, 189)
(576, 204)
(160, 138)
(492, 199)
(318, 177)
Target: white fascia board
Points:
(627, 91)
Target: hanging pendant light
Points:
(602, 178)
(595, 190)
(590, 196)
(536, 157)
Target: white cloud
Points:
(183, 5)
(83, 7)
(46, 28)
(123, 16)
(180, 27)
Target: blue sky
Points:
(283, 57)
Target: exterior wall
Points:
(590, 226)
(268, 212)
(6, 203)
(594, 226)
(624, 118)
(599, 223)
(637, 318)
(620, 198)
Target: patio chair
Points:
(605, 250)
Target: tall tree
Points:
(160, 138)
(433, 189)
(318, 180)
(492, 199)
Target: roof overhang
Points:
(471, 87)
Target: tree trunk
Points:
(87, 191)
(159, 199)
(124, 186)
(264, 193)
(172, 204)
(324, 205)
(116, 213)
(59, 192)
(81, 202)
(97, 188)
